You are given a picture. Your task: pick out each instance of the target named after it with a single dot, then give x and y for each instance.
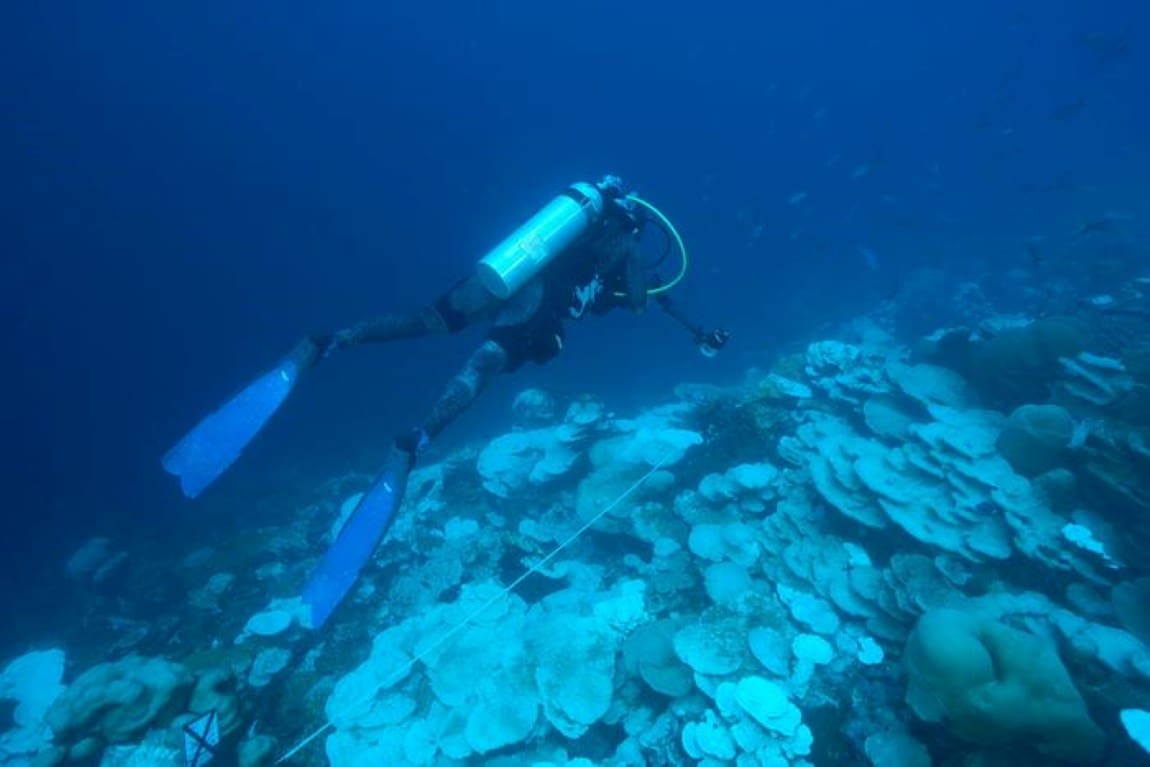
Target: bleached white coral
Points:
(524, 458)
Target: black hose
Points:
(668, 241)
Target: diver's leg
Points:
(339, 569)
(462, 305)
(392, 327)
(522, 333)
(485, 363)
(340, 566)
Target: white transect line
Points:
(402, 670)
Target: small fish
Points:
(869, 258)
(1037, 258)
(120, 624)
(1104, 223)
(1106, 47)
(796, 198)
(1067, 111)
(861, 170)
(987, 508)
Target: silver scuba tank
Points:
(511, 263)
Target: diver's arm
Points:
(675, 313)
(708, 341)
(620, 257)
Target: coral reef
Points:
(868, 554)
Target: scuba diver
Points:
(580, 254)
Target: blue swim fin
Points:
(215, 443)
(340, 566)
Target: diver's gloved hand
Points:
(710, 343)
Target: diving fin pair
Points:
(339, 569)
(217, 441)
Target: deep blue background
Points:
(188, 189)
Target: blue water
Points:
(187, 190)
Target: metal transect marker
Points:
(201, 737)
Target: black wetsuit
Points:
(600, 272)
